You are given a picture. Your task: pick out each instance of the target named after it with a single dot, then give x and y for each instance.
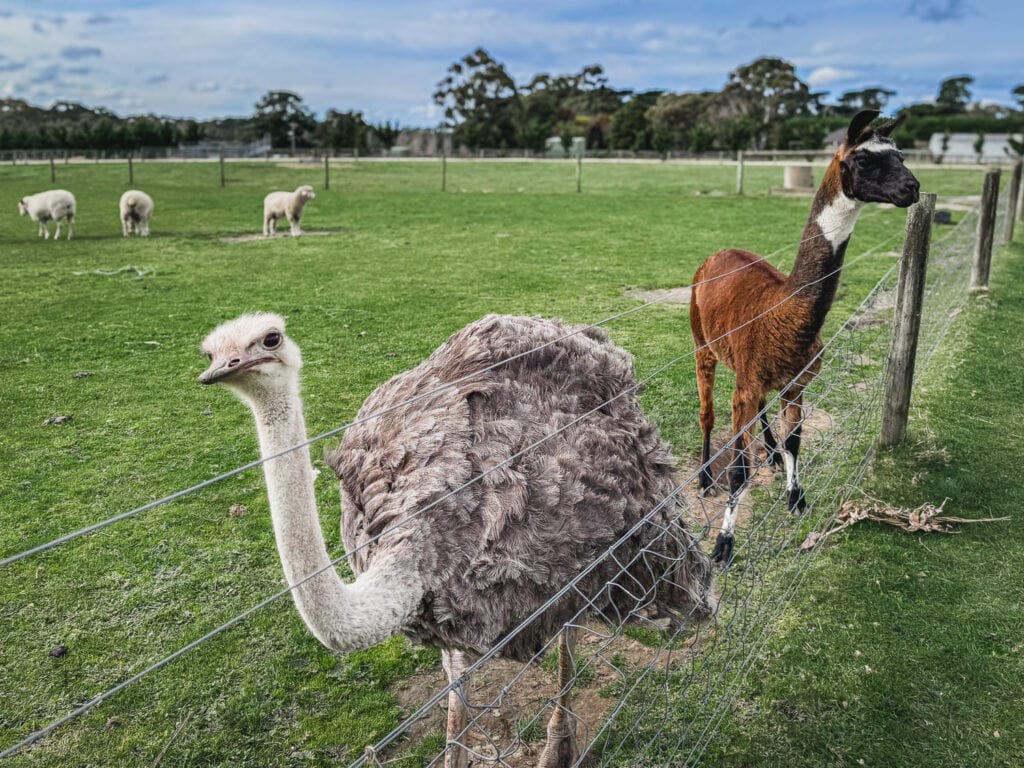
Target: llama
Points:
(56, 204)
(285, 205)
(735, 318)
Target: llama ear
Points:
(859, 124)
(887, 129)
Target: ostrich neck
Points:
(342, 616)
(819, 261)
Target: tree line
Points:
(763, 105)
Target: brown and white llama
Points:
(765, 325)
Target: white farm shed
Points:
(960, 148)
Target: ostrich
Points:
(765, 325)
(469, 569)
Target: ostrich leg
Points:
(455, 663)
(561, 749)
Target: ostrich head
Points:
(251, 356)
(305, 192)
(23, 207)
(871, 166)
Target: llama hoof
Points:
(708, 489)
(723, 549)
(796, 499)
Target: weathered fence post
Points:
(1011, 204)
(53, 171)
(444, 169)
(739, 172)
(221, 159)
(986, 231)
(327, 171)
(131, 171)
(579, 172)
(899, 373)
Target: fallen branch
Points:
(927, 518)
(140, 272)
(175, 735)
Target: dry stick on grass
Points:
(927, 518)
(175, 735)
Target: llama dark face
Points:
(873, 172)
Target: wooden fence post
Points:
(131, 171)
(444, 169)
(739, 172)
(1011, 203)
(579, 172)
(327, 171)
(1020, 197)
(899, 372)
(221, 159)
(53, 171)
(986, 231)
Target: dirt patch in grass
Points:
(662, 295)
(255, 237)
(503, 711)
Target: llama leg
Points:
(296, 230)
(56, 233)
(561, 749)
(454, 663)
(44, 230)
(744, 418)
(706, 363)
(774, 454)
(124, 227)
(71, 225)
(792, 419)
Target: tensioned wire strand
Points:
(64, 539)
(562, 592)
(35, 736)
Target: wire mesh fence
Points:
(643, 689)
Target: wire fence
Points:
(641, 695)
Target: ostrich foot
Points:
(796, 499)
(723, 549)
(561, 749)
(708, 489)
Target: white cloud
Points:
(828, 75)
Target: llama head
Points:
(871, 166)
(305, 192)
(23, 207)
(251, 356)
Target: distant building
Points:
(834, 139)
(200, 149)
(960, 147)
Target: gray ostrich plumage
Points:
(462, 571)
(495, 552)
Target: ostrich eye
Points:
(272, 340)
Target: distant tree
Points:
(674, 117)
(702, 138)
(979, 145)
(954, 94)
(766, 92)
(737, 134)
(868, 98)
(386, 133)
(342, 130)
(1018, 94)
(283, 115)
(480, 102)
(629, 126)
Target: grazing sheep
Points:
(53, 204)
(136, 210)
(285, 205)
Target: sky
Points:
(190, 58)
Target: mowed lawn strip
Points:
(403, 268)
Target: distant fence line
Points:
(183, 153)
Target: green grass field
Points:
(404, 267)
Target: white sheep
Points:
(136, 210)
(285, 205)
(53, 204)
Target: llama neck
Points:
(342, 616)
(816, 272)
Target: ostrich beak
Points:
(221, 369)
